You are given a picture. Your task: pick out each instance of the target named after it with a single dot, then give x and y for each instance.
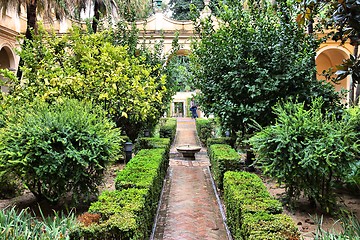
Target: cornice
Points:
(8, 33)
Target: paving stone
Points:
(189, 208)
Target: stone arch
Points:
(7, 57)
(7, 61)
(330, 56)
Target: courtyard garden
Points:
(275, 125)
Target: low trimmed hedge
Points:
(252, 213)
(220, 140)
(263, 225)
(129, 211)
(222, 158)
(152, 142)
(204, 128)
(168, 128)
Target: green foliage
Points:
(123, 216)
(150, 143)
(265, 226)
(255, 57)
(145, 170)
(10, 185)
(306, 150)
(57, 149)
(220, 140)
(90, 67)
(223, 158)
(21, 224)
(129, 211)
(181, 8)
(250, 210)
(178, 71)
(204, 128)
(168, 128)
(350, 229)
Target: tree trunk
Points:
(31, 12)
(357, 81)
(96, 17)
(31, 19)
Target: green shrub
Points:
(265, 226)
(204, 128)
(17, 225)
(146, 170)
(124, 215)
(60, 148)
(168, 128)
(307, 150)
(352, 180)
(153, 142)
(221, 140)
(245, 193)
(129, 211)
(222, 158)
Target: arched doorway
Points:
(7, 61)
(329, 58)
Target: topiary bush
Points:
(129, 211)
(223, 158)
(60, 148)
(252, 213)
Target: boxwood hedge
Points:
(222, 158)
(251, 211)
(129, 211)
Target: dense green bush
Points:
(123, 216)
(60, 148)
(168, 128)
(129, 211)
(307, 150)
(265, 226)
(249, 205)
(204, 128)
(18, 225)
(353, 179)
(223, 158)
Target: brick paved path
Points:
(189, 207)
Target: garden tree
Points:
(89, 67)
(181, 8)
(307, 149)
(128, 35)
(255, 58)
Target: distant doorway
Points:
(178, 109)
